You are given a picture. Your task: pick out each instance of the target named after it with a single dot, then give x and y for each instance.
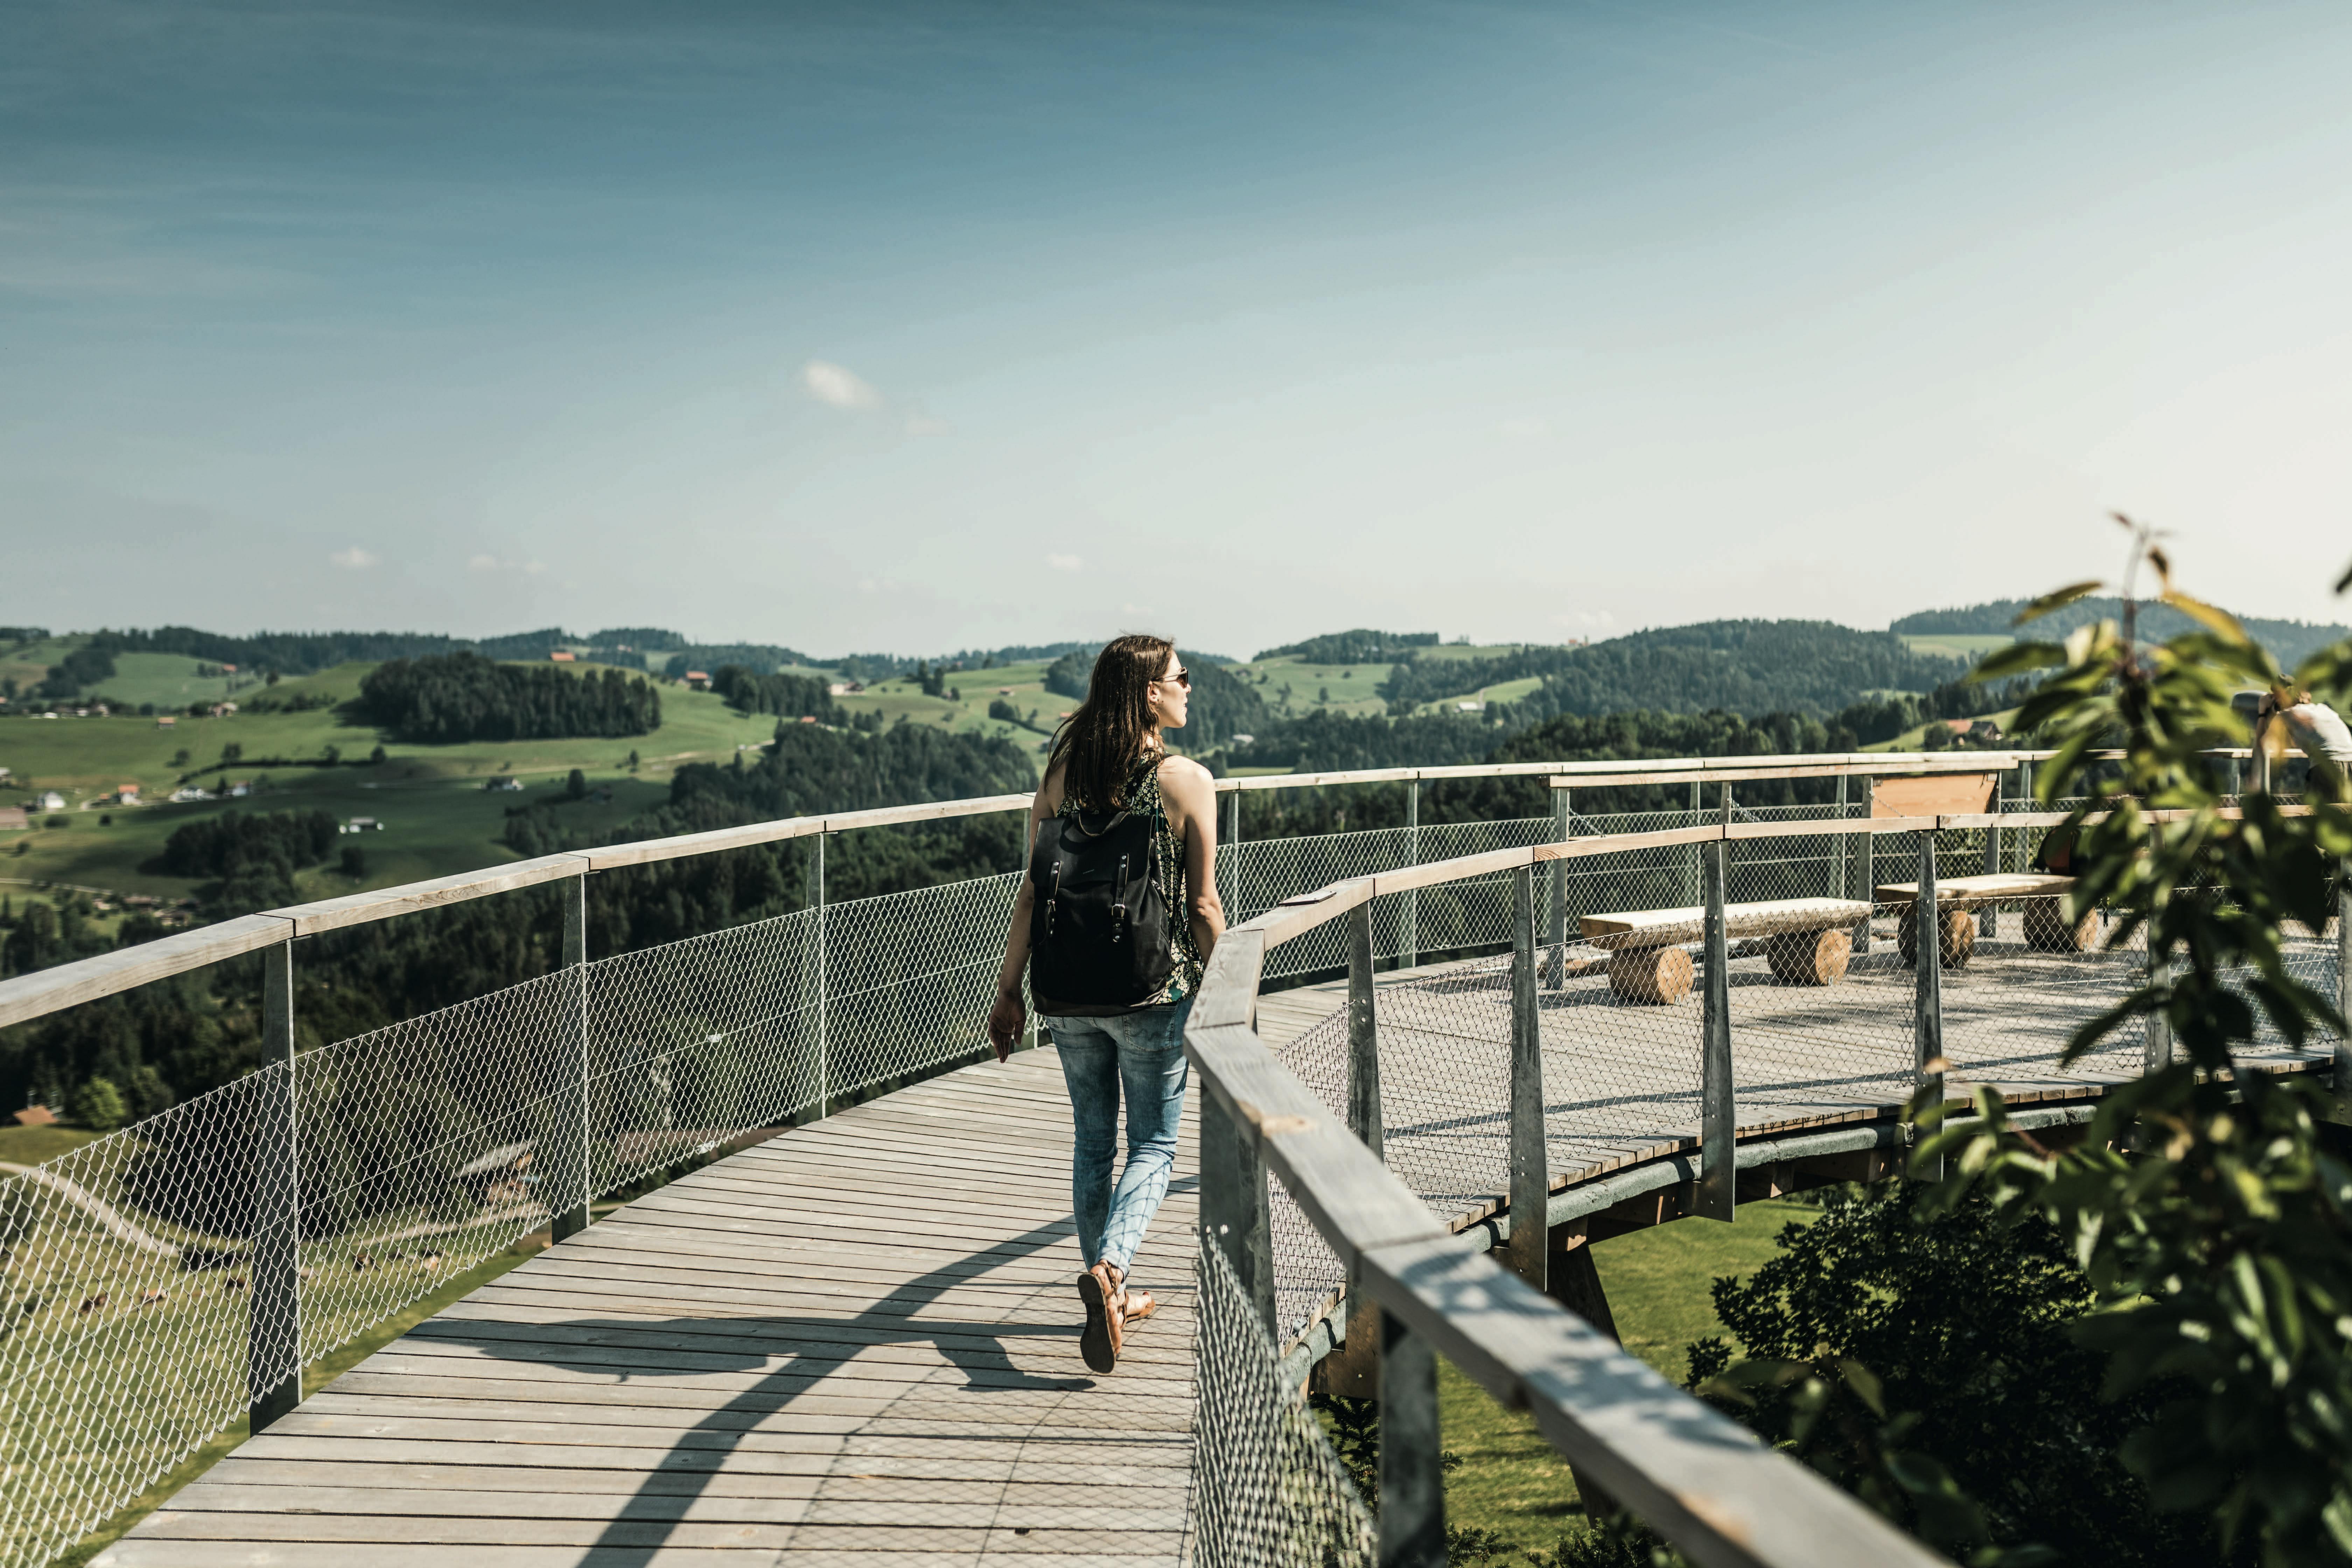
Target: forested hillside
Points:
(786, 696)
(2290, 642)
(464, 697)
(1742, 667)
(1362, 646)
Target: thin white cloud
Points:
(924, 425)
(355, 559)
(483, 563)
(1064, 563)
(838, 386)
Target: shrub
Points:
(97, 1105)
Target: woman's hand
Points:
(1005, 1022)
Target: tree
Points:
(354, 863)
(376, 758)
(576, 785)
(2220, 1250)
(1926, 1357)
(232, 754)
(97, 1105)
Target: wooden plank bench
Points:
(2046, 927)
(1807, 942)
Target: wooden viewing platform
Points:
(858, 1341)
(854, 1343)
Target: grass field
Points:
(1957, 645)
(438, 817)
(1511, 1480)
(1350, 687)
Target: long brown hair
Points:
(1097, 746)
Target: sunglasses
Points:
(1182, 678)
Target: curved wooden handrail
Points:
(34, 995)
(1697, 1478)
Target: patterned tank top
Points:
(1140, 794)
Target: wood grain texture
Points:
(763, 1362)
(69, 984)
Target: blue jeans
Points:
(1144, 1052)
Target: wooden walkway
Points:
(854, 1344)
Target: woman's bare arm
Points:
(1008, 1017)
(1192, 797)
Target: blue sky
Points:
(907, 327)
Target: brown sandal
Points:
(1135, 1306)
(1105, 1319)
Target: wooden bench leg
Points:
(1809, 957)
(1659, 974)
(2047, 929)
(1958, 932)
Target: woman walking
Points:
(1113, 923)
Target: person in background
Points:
(2314, 728)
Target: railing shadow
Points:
(813, 1347)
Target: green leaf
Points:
(2017, 658)
(2061, 598)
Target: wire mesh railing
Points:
(138, 1319)
(1269, 1492)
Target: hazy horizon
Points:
(911, 327)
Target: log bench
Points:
(1806, 942)
(1958, 898)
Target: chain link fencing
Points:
(1268, 1490)
(1824, 992)
(128, 1323)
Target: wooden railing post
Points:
(1718, 1184)
(1235, 1205)
(569, 1179)
(1531, 1158)
(1928, 994)
(1413, 1472)
(273, 1330)
(1563, 823)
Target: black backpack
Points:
(1098, 934)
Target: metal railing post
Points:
(1233, 828)
(1412, 857)
(1718, 1184)
(1412, 1473)
(1353, 1368)
(1838, 887)
(1563, 822)
(274, 1329)
(1927, 959)
(1234, 1206)
(1363, 1033)
(2341, 1080)
(1530, 1160)
(1691, 858)
(824, 1022)
(1864, 843)
(2262, 771)
(1989, 918)
(569, 1178)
